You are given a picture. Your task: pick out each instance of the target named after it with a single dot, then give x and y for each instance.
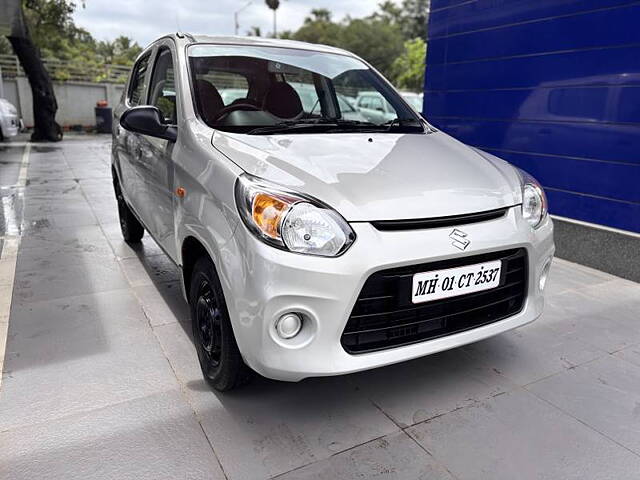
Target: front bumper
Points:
(262, 283)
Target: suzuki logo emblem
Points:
(459, 238)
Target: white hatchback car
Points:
(10, 122)
(311, 244)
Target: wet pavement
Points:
(101, 380)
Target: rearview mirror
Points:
(147, 120)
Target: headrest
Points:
(209, 100)
(283, 101)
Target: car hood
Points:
(384, 176)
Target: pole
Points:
(235, 17)
(275, 30)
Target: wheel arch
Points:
(192, 249)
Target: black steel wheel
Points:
(220, 359)
(132, 229)
(208, 328)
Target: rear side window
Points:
(136, 89)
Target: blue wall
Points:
(552, 86)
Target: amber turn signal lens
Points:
(267, 213)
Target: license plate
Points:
(452, 282)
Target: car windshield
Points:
(265, 90)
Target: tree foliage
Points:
(408, 69)
(374, 40)
(392, 39)
(54, 33)
(410, 16)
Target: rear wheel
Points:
(218, 353)
(132, 229)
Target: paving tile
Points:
(606, 324)
(46, 208)
(177, 343)
(279, 426)
(411, 392)
(147, 247)
(64, 220)
(149, 438)
(54, 255)
(78, 353)
(565, 276)
(630, 354)
(604, 394)
(395, 456)
(163, 303)
(146, 270)
(52, 189)
(532, 352)
(282, 426)
(82, 239)
(517, 435)
(74, 278)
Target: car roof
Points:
(259, 42)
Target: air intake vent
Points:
(384, 316)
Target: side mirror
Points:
(147, 120)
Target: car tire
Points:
(220, 359)
(132, 229)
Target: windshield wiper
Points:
(328, 125)
(322, 124)
(292, 125)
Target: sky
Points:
(146, 20)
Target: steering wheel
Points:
(232, 108)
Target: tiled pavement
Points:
(101, 379)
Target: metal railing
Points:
(71, 71)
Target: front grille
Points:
(384, 316)
(439, 222)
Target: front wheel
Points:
(218, 353)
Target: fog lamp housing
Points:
(289, 325)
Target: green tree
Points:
(121, 51)
(408, 69)
(381, 39)
(273, 5)
(378, 42)
(319, 28)
(410, 16)
(5, 46)
(38, 19)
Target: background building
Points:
(552, 86)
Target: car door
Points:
(155, 164)
(126, 144)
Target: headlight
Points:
(289, 220)
(534, 201)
